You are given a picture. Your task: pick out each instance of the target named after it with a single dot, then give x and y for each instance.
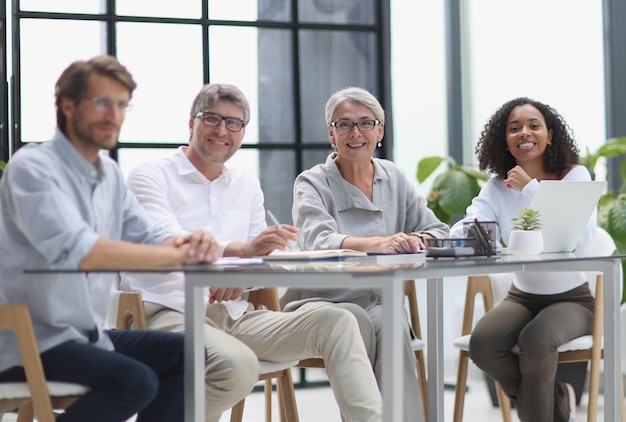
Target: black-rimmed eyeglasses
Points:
(213, 119)
(347, 125)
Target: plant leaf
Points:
(614, 215)
(427, 166)
(456, 190)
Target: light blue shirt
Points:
(54, 205)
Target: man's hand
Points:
(199, 246)
(273, 237)
(220, 294)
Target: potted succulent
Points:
(525, 237)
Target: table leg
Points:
(612, 354)
(393, 368)
(434, 294)
(194, 352)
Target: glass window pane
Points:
(331, 60)
(278, 171)
(233, 10)
(66, 6)
(169, 9)
(238, 66)
(275, 10)
(43, 59)
(129, 158)
(418, 90)
(166, 62)
(276, 108)
(312, 157)
(537, 63)
(336, 11)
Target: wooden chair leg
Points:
(594, 387)
(268, 400)
(281, 402)
(422, 379)
(236, 413)
(504, 402)
(459, 389)
(287, 396)
(26, 413)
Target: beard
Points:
(90, 133)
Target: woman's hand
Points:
(400, 243)
(517, 178)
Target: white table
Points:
(389, 279)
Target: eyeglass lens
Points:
(212, 119)
(346, 125)
(106, 104)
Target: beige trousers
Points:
(313, 331)
(370, 323)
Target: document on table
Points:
(328, 254)
(235, 261)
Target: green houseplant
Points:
(612, 205)
(453, 190)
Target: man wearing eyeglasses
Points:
(65, 205)
(196, 187)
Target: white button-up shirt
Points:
(176, 195)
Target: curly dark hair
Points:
(494, 156)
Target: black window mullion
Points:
(297, 97)
(4, 88)
(16, 131)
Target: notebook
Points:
(565, 206)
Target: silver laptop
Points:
(565, 207)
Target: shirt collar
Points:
(75, 160)
(331, 168)
(187, 170)
(344, 191)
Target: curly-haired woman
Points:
(523, 143)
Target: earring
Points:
(333, 146)
(380, 144)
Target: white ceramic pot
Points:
(525, 242)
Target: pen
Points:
(273, 218)
(292, 243)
